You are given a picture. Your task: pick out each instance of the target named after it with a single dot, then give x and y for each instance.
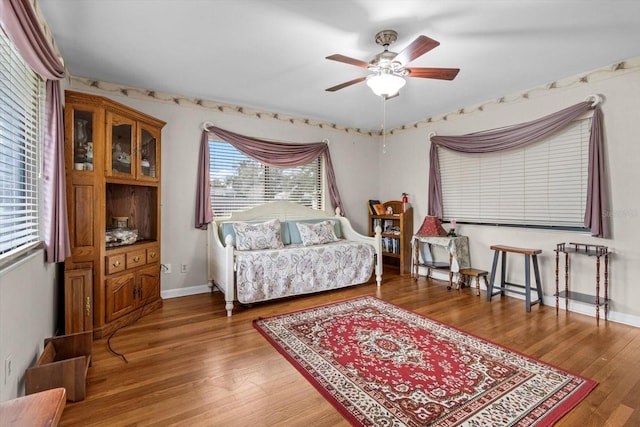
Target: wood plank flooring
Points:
(188, 364)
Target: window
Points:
(21, 112)
(542, 185)
(238, 182)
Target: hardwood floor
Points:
(188, 364)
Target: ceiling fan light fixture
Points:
(385, 84)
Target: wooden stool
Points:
(528, 254)
(468, 273)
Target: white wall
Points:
(354, 156)
(28, 310)
(407, 154)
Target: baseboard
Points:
(590, 310)
(574, 306)
(183, 292)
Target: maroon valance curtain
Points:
(271, 153)
(20, 23)
(526, 133)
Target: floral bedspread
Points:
(274, 273)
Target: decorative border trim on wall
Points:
(599, 74)
(79, 82)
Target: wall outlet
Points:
(8, 368)
(184, 268)
(165, 268)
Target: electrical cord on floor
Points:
(131, 322)
(111, 350)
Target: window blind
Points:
(543, 184)
(239, 183)
(21, 109)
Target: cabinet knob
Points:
(152, 254)
(116, 263)
(136, 258)
(87, 306)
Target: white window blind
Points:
(543, 184)
(21, 109)
(238, 182)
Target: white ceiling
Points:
(270, 55)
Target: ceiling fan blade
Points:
(343, 85)
(433, 73)
(420, 46)
(347, 60)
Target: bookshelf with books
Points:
(397, 230)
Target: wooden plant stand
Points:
(597, 251)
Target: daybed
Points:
(252, 265)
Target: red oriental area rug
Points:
(382, 365)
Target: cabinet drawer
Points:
(152, 255)
(136, 258)
(115, 263)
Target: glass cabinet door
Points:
(82, 140)
(149, 159)
(120, 153)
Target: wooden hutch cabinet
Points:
(78, 300)
(112, 162)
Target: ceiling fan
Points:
(389, 68)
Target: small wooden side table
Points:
(456, 246)
(34, 410)
(597, 251)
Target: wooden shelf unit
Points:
(397, 230)
(112, 164)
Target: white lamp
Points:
(385, 84)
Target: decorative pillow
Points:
(294, 233)
(316, 234)
(254, 236)
(226, 229)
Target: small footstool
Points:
(468, 273)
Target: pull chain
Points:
(384, 123)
